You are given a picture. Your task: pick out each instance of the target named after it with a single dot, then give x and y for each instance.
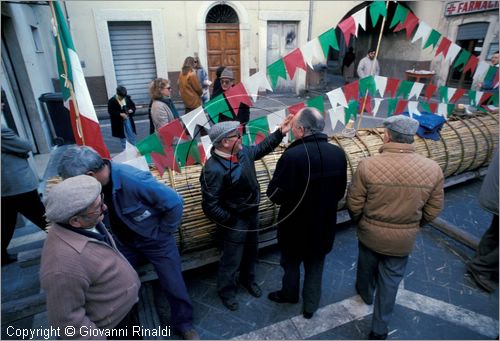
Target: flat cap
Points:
(70, 197)
(222, 130)
(402, 124)
(227, 73)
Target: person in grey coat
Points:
(484, 266)
(19, 189)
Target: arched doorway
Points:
(223, 40)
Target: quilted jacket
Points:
(392, 195)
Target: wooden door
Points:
(223, 45)
(281, 39)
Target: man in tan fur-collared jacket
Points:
(391, 196)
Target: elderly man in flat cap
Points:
(89, 283)
(226, 83)
(230, 197)
(390, 197)
(143, 216)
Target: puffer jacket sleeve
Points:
(212, 186)
(356, 194)
(434, 205)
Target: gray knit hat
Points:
(402, 124)
(227, 73)
(222, 130)
(70, 197)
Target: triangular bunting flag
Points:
(172, 130)
(443, 47)
(274, 119)
(217, 106)
(381, 83)
(194, 118)
(404, 88)
(451, 93)
(472, 97)
(258, 126)
(207, 146)
(471, 64)
(443, 94)
(485, 97)
(351, 110)
(293, 109)
(336, 96)
(294, 60)
(399, 16)
(348, 27)
(412, 108)
(184, 151)
(275, 70)
(452, 52)
(425, 106)
(416, 90)
(351, 90)
(442, 110)
(328, 39)
(367, 83)
(150, 144)
(368, 105)
(479, 95)
(377, 9)
(313, 53)
(433, 39)
(255, 82)
(391, 87)
(337, 115)
(400, 107)
(494, 100)
(430, 89)
(433, 107)
(166, 161)
(462, 59)
(237, 95)
(423, 32)
(481, 71)
(391, 106)
(457, 95)
(376, 105)
(318, 103)
(360, 19)
(451, 109)
(410, 24)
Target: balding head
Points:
(311, 120)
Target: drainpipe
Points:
(309, 28)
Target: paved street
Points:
(437, 299)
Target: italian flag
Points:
(76, 95)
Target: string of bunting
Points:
(178, 143)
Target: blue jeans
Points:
(164, 256)
(129, 134)
(383, 273)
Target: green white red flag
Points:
(76, 95)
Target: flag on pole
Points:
(76, 95)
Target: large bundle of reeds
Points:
(466, 144)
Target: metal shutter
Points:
(475, 30)
(133, 57)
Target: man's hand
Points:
(286, 125)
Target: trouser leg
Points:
(232, 254)
(9, 217)
(129, 133)
(311, 292)
(250, 251)
(33, 209)
(366, 273)
(486, 259)
(290, 283)
(390, 273)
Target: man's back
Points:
(393, 194)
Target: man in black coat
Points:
(121, 111)
(309, 181)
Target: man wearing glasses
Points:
(143, 215)
(227, 82)
(230, 197)
(88, 283)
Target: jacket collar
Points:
(318, 137)
(75, 240)
(394, 147)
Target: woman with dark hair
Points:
(162, 108)
(189, 86)
(121, 111)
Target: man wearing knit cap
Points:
(89, 284)
(390, 197)
(143, 216)
(230, 197)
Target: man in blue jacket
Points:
(143, 214)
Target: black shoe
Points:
(8, 258)
(307, 315)
(482, 281)
(369, 302)
(253, 289)
(275, 297)
(375, 336)
(230, 303)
